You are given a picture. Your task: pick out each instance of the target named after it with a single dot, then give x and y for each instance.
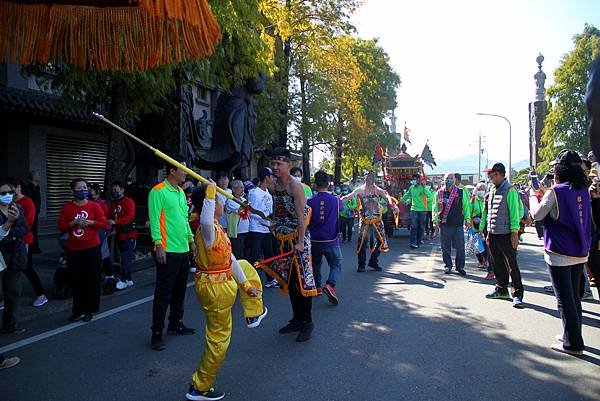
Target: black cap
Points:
(498, 167)
(265, 171)
(567, 158)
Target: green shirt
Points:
(349, 209)
(477, 207)
(307, 191)
(515, 210)
(418, 196)
(168, 213)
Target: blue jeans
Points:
(417, 226)
(333, 254)
(565, 281)
(127, 247)
(453, 237)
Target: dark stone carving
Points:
(592, 102)
(232, 140)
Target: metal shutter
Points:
(68, 158)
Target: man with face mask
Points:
(417, 195)
(123, 219)
(296, 173)
(450, 210)
(477, 207)
(500, 219)
(369, 208)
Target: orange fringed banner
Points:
(136, 36)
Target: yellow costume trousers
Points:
(217, 299)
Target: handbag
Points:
(473, 243)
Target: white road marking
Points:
(74, 325)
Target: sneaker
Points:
(1, 305)
(375, 266)
(447, 270)
(421, 242)
(156, 342)
(210, 395)
(10, 362)
(319, 291)
(253, 322)
(518, 302)
(14, 330)
(109, 286)
(559, 347)
(462, 272)
(129, 283)
(305, 332)
(360, 269)
(40, 301)
(414, 246)
(121, 285)
(272, 284)
(490, 276)
(329, 291)
(587, 296)
(549, 289)
(179, 329)
(75, 317)
(192, 269)
(291, 327)
(497, 295)
(87, 317)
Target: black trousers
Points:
(593, 264)
(11, 287)
(238, 246)
(84, 273)
(429, 223)
(539, 228)
(503, 258)
(346, 225)
(31, 274)
(565, 281)
(261, 243)
(169, 290)
(301, 305)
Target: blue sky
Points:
(460, 57)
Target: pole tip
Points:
(97, 115)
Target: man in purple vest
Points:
(501, 217)
(325, 234)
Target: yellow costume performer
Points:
(218, 278)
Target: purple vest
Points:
(571, 233)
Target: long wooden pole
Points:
(175, 163)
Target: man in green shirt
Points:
(500, 219)
(417, 195)
(347, 215)
(173, 240)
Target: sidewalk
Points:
(46, 264)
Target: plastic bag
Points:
(473, 243)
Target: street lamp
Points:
(509, 139)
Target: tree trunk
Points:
(116, 145)
(354, 172)
(339, 148)
(304, 131)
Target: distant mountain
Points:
(466, 164)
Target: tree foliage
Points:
(566, 123)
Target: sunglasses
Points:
(7, 192)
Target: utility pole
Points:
(479, 159)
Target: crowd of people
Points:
(206, 229)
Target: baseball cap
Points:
(567, 158)
(265, 171)
(498, 167)
(248, 185)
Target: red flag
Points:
(406, 132)
(379, 154)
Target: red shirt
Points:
(123, 212)
(28, 207)
(86, 237)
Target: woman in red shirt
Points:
(29, 212)
(82, 219)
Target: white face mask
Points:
(297, 179)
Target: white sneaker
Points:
(129, 283)
(192, 270)
(40, 301)
(121, 285)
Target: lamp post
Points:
(509, 139)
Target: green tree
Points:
(566, 123)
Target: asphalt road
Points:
(407, 333)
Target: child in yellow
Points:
(218, 278)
